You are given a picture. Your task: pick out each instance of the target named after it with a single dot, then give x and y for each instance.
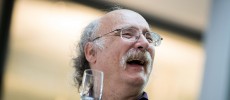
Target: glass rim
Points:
(93, 70)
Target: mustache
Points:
(136, 54)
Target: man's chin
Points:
(136, 76)
(136, 81)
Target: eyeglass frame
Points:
(137, 38)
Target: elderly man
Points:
(120, 44)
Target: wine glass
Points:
(92, 85)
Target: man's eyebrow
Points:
(130, 26)
(146, 30)
(126, 26)
(143, 30)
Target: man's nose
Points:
(142, 43)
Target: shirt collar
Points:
(144, 96)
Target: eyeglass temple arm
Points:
(105, 34)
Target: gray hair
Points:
(80, 62)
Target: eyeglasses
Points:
(132, 35)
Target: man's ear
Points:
(90, 53)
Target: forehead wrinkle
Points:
(109, 22)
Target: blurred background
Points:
(41, 40)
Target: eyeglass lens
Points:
(132, 34)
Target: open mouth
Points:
(136, 59)
(136, 62)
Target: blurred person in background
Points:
(120, 44)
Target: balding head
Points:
(120, 18)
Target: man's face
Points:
(124, 62)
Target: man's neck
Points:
(127, 92)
